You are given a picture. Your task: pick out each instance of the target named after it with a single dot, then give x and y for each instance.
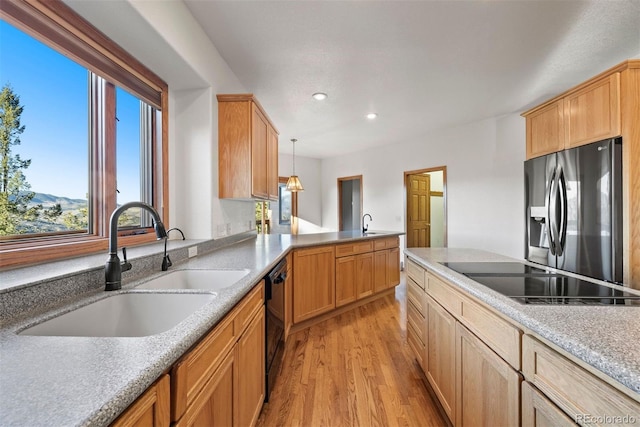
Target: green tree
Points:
(17, 214)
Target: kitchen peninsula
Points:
(584, 358)
(49, 380)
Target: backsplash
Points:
(31, 290)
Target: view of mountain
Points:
(67, 204)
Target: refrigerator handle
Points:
(551, 204)
(561, 188)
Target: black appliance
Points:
(274, 323)
(531, 285)
(573, 202)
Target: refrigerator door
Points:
(590, 203)
(538, 183)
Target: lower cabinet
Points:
(386, 269)
(250, 372)
(314, 282)
(538, 411)
(214, 405)
(354, 278)
(440, 366)
(152, 409)
(487, 388)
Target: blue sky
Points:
(54, 92)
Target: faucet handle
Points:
(126, 265)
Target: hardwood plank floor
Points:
(355, 369)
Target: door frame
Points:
(444, 196)
(347, 178)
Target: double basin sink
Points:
(139, 314)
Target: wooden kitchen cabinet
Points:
(538, 411)
(571, 387)
(250, 372)
(214, 406)
(221, 380)
(487, 388)
(314, 281)
(386, 267)
(545, 130)
(152, 409)
(593, 112)
(440, 366)
(247, 149)
(354, 278)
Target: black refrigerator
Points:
(573, 214)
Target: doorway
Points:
(426, 207)
(349, 203)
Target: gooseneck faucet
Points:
(113, 268)
(166, 261)
(365, 227)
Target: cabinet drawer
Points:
(571, 387)
(415, 295)
(444, 295)
(416, 321)
(189, 376)
(354, 248)
(244, 312)
(386, 243)
(501, 336)
(416, 272)
(538, 411)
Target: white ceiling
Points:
(421, 65)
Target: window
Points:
(284, 204)
(81, 132)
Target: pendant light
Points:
(294, 184)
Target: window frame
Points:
(58, 26)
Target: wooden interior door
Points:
(418, 211)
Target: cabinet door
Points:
(346, 280)
(440, 361)
(593, 113)
(314, 279)
(152, 409)
(272, 164)
(394, 267)
(364, 275)
(214, 405)
(259, 128)
(250, 372)
(545, 130)
(487, 388)
(380, 270)
(538, 411)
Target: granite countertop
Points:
(604, 337)
(47, 380)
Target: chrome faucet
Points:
(113, 268)
(166, 261)
(365, 227)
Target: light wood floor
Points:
(355, 369)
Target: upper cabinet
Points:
(593, 112)
(588, 113)
(247, 149)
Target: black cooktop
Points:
(532, 285)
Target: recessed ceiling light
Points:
(319, 96)
(371, 116)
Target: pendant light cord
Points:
(293, 142)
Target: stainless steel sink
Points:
(124, 315)
(210, 280)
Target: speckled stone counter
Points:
(65, 381)
(604, 337)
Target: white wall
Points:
(310, 200)
(485, 196)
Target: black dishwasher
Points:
(274, 323)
